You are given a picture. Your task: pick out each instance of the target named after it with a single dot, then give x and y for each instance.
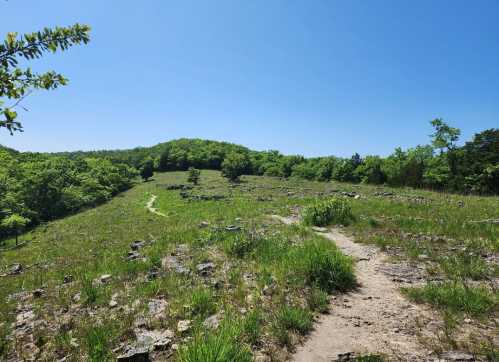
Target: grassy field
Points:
(216, 258)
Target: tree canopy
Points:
(15, 82)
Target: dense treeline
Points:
(37, 187)
(40, 187)
(472, 168)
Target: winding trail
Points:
(151, 208)
(374, 318)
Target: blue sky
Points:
(307, 77)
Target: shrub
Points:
(326, 212)
(324, 266)
(216, 346)
(147, 169)
(193, 175)
(235, 165)
(455, 297)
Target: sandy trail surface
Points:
(374, 318)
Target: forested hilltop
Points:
(441, 165)
(36, 187)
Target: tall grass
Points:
(456, 297)
(324, 266)
(216, 346)
(326, 212)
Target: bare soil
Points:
(373, 319)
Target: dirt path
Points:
(151, 208)
(375, 318)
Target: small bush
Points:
(455, 297)
(216, 346)
(324, 266)
(193, 175)
(326, 212)
(318, 300)
(202, 303)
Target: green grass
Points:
(456, 297)
(218, 346)
(297, 266)
(327, 212)
(324, 266)
(318, 301)
(202, 303)
(97, 341)
(291, 319)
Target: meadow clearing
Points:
(211, 276)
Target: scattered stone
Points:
(77, 297)
(137, 244)
(260, 357)
(205, 269)
(176, 187)
(183, 326)
(155, 340)
(38, 293)
(16, 269)
(204, 224)
(133, 255)
(233, 228)
(152, 274)
(113, 303)
(319, 229)
(345, 357)
(105, 278)
(217, 284)
(457, 356)
(212, 322)
(67, 279)
(134, 354)
(157, 306)
(171, 262)
(356, 197)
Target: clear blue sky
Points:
(307, 77)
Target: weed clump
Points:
(324, 266)
(216, 346)
(326, 212)
(294, 319)
(456, 297)
(318, 300)
(240, 245)
(202, 302)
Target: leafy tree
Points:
(370, 171)
(147, 169)
(445, 137)
(193, 175)
(234, 166)
(16, 83)
(15, 224)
